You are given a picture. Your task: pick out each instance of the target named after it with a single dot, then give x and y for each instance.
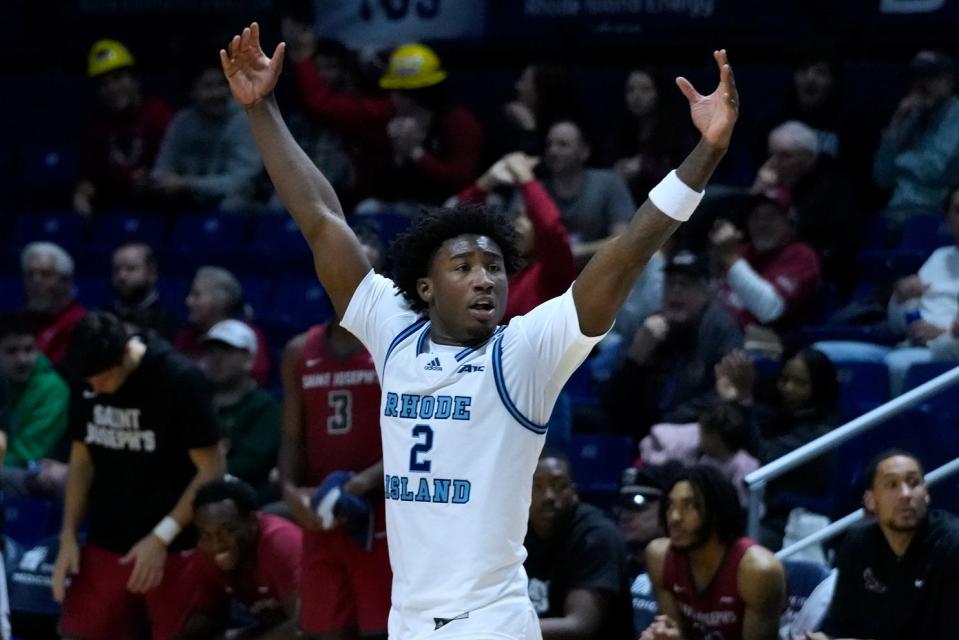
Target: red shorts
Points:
(99, 607)
(343, 586)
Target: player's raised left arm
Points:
(762, 586)
(603, 285)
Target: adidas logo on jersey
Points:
(470, 368)
(433, 365)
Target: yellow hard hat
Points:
(413, 66)
(107, 55)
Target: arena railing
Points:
(758, 479)
(837, 527)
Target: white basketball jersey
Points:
(462, 431)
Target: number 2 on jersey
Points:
(426, 433)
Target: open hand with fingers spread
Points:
(714, 115)
(250, 73)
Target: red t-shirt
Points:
(53, 336)
(552, 268)
(717, 612)
(794, 272)
(341, 411)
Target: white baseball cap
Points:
(235, 333)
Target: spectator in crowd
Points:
(337, 65)
(576, 565)
(216, 295)
(804, 408)
(136, 301)
(207, 158)
(826, 209)
(594, 204)
(671, 357)
(331, 402)
(543, 242)
(650, 143)
(48, 282)
(918, 155)
(772, 279)
(544, 95)
(720, 439)
(923, 306)
(414, 145)
(248, 416)
(711, 581)
(125, 136)
(255, 558)
(36, 399)
(144, 438)
(899, 575)
(638, 513)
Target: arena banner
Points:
(362, 23)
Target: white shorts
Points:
(510, 620)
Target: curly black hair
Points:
(412, 252)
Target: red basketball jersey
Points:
(341, 405)
(717, 612)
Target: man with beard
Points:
(711, 582)
(673, 354)
(899, 576)
(137, 302)
(578, 581)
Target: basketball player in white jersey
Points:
(464, 400)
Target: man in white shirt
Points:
(464, 400)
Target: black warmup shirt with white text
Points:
(139, 438)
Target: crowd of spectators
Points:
(711, 364)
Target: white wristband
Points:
(167, 530)
(675, 198)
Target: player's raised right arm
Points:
(306, 194)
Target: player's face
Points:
(18, 355)
(108, 381)
(225, 537)
(466, 289)
(554, 497)
(684, 520)
(795, 385)
(898, 497)
(769, 228)
(641, 94)
(952, 216)
(132, 278)
(43, 284)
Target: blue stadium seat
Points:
(110, 230)
(172, 291)
(301, 302)
(27, 520)
(46, 166)
(201, 239)
(386, 224)
(30, 572)
(925, 232)
(11, 292)
(277, 236)
(947, 399)
(581, 387)
(886, 266)
(862, 386)
(65, 228)
(94, 291)
(258, 293)
(801, 579)
(597, 462)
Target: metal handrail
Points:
(758, 479)
(837, 527)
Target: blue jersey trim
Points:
(421, 343)
(504, 395)
(403, 335)
(465, 352)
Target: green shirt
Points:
(38, 415)
(252, 428)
